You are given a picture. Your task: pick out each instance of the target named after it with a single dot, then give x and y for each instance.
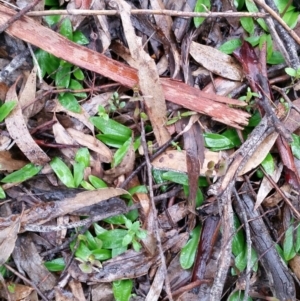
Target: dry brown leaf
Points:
(83, 116)
(8, 237)
(176, 160)
(77, 290)
(17, 129)
(63, 137)
(28, 95)
(21, 292)
(92, 143)
(266, 186)
(216, 61)
(274, 199)
(7, 162)
(259, 155)
(149, 81)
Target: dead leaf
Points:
(216, 61)
(8, 163)
(8, 237)
(92, 143)
(17, 129)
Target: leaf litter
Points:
(131, 223)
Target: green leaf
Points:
(75, 85)
(296, 146)
(63, 75)
(217, 141)
(48, 63)
(253, 40)
(239, 4)
(82, 252)
(238, 242)
(288, 244)
(87, 185)
(2, 193)
(80, 38)
(297, 243)
(276, 58)
(23, 174)
(63, 172)
(117, 251)
(98, 229)
(252, 8)
(290, 71)
(78, 169)
(121, 152)
(127, 240)
(83, 156)
(6, 108)
(96, 182)
(51, 2)
(52, 20)
(116, 220)
(233, 136)
(281, 5)
(86, 267)
(291, 18)
(111, 140)
(231, 45)
(78, 74)
(238, 296)
(113, 238)
(136, 245)
(188, 252)
(111, 127)
(55, 265)
(101, 254)
(268, 164)
(248, 24)
(122, 289)
(68, 101)
(66, 29)
(138, 189)
(92, 242)
(241, 260)
(254, 120)
(201, 6)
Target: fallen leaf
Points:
(216, 61)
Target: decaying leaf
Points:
(92, 143)
(17, 129)
(216, 61)
(8, 163)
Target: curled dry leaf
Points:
(93, 144)
(176, 160)
(17, 129)
(266, 186)
(216, 61)
(7, 162)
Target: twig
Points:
(18, 15)
(278, 19)
(174, 13)
(27, 281)
(153, 208)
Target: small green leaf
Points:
(48, 63)
(276, 58)
(82, 252)
(290, 71)
(63, 172)
(254, 120)
(68, 101)
(96, 182)
(55, 265)
(241, 260)
(201, 6)
(2, 193)
(111, 140)
(113, 238)
(296, 146)
(238, 242)
(268, 164)
(231, 45)
(78, 169)
(51, 2)
(136, 245)
(121, 152)
(6, 108)
(248, 24)
(66, 28)
(87, 185)
(252, 8)
(122, 289)
(83, 156)
(86, 267)
(63, 75)
(239, 4)
(233, 136)
(188, 252)
(116, 220)
(76, 85)
(80, 38)
(78, 74)
(217, 141)
(238, 296)
(23, 174)
(52, 20)
(297, 243)
(111, 127)
(288, 244)
(291, 18)
(127, 240)
(101, 254)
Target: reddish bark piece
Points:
(32, 32)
